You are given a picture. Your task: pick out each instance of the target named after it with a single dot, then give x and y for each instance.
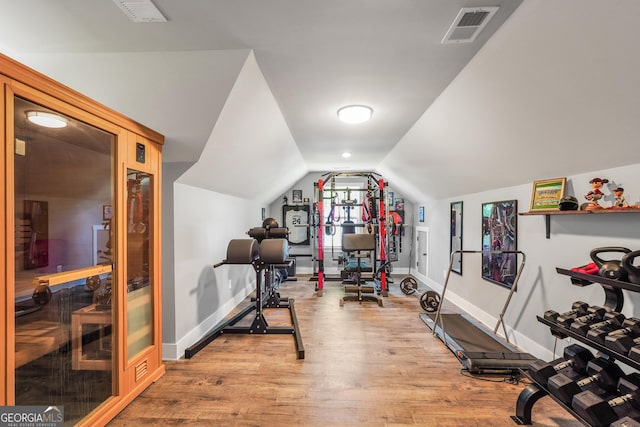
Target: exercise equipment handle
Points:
(220, 264)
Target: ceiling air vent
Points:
(468, 24)
(140, 10)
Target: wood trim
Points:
(67, 276)
(9, 241)
(29, 77)
(157, 255)
(4, 253)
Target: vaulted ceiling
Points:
(434, 104)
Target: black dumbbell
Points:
(623, 339)
(634, 353)
(578, 308)
(626, 422)
(601, 371)
(609, 322)
(575, 356)
(594, 313)
(599, 412)
(630, 327)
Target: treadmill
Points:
(478, 349)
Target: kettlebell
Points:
(633, 272)
(610, 269)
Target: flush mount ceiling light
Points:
(355, 113)
(346, 154)
(48, 120)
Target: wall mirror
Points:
(456, 236)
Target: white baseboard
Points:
(176, 351)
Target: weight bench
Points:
(359, 246)
(263, 257)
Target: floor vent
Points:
(468, 24)
(140, 10)
(141, 370)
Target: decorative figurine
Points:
(619, 201)
(595, 194)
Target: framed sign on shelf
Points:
(546, 194)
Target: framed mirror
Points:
(456, 236)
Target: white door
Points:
(422, 261)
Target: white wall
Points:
(540, 287)
(250, 152)
(204, 224)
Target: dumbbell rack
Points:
(614, 300)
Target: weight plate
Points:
(41, 295)
(408, 285)
(429, 301)
(93, 282)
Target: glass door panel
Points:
(139, 280)
(64, 191)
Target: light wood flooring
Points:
(365, 366)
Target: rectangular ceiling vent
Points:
(468, 24)
(140, 10)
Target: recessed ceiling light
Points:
(346, 154)
(355, 113)
(48, 120)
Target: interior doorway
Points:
(422, 254)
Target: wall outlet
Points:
(229, 283)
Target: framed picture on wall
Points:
(546, 194)
(499, 233)
(296, 219)
(296, 196)
(421, 214)
(107, 213)
(455, 242)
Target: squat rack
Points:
(376, 197)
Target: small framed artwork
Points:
(306, 201)
(390, 201)
(421, 214)
(499, 233)
(264, 213)
(399, 204)
(107, 213)
(296, 196)
(546, 194)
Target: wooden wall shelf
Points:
(547, 215)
